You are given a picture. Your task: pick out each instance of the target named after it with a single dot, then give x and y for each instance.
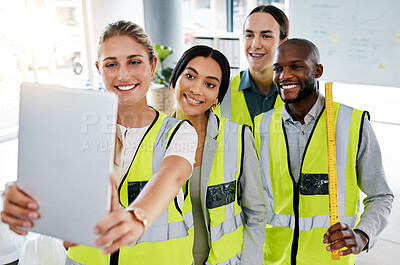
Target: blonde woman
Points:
(150, 166)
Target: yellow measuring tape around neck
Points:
(332, 172)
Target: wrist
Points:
(364, 238)
(140, 216)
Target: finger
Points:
(109, 221)
(68, 244)
(346, 252)
(117, 244)
(16, 196)
(335, 227)
(18, 231)
(346, 243)
(18, 211)
(112, 248)
(113, 234)
(340, 235)
(14, 222)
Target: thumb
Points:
(114, 193)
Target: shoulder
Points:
(267, 114)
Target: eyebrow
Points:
(263, 31)
(211, 77)
(294, 61)
(128, 57)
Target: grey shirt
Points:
(257, 102)
(370, 173)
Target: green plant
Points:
(163, 72)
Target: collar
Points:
(246, 82)
(311, 115)
(212, 125)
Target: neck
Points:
(299, 109)
(135, 116)
(263, 79)
(199, 122)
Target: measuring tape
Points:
(332, 173)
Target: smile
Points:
(125, 88)
(288, 86)
(192, 100)
(256, 55)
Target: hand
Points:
(18, 205)
(353, 240)
(119, 227)
(68, 244)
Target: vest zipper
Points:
(295, 242)
(296, 192)
(114, 258)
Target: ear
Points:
(282, 41)
(319, 69)
(216, 101)
(98, 68)
(154, 64)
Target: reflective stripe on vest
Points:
(232, 261)
(171, 235)
(225, 214)
(313, 209)
(236, 98)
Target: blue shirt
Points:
(257, 102)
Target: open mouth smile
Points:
(285, 87)
(126, 88)
(192, 100)
(256, 55)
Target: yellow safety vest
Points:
(169, 240)
(225, 215)
(235, 98)
(298, 213)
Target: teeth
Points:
(126, 87)
(192, 100)
(256, 55)
(288, 86)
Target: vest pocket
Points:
(134, 188)
(221, 194)
(314, 184)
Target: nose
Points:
(123, 73)
(285, 74)
(256, 44)
(196, 89)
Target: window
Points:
(41, 41)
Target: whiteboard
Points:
(359, 40)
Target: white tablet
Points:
(65, 157)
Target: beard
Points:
(306, 90)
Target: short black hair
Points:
(204, 51)
(313, 48)
(278, 15)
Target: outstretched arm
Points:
(121, 227)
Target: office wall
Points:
(359, 40)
